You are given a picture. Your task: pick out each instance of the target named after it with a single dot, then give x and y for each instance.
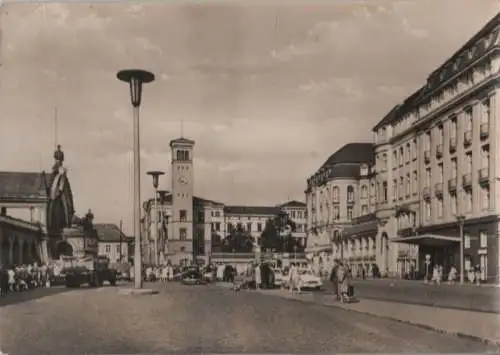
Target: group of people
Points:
(473, 274)
(341, 277)
(161, 273)
(24, 277)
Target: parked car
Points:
(193, 276)
(309, 280)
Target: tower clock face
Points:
(183, 180)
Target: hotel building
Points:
(436, 163)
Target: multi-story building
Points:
(189, 225)
(436, 163)
(339, 193)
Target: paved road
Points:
(208, 319)
(469, 297)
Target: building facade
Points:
(189, 225)
(437, 159)
(339, 196)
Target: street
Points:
(208, 319)
(468, 297)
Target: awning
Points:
(427, 239)
(361, 229)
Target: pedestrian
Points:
(435, 274)
(257, 276)
(343, 282)
(452, 275)
(334, 280)
(477, 274)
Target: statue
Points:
(59, 158)
(88, 220)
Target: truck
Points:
(91, 270)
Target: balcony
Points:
(484, 177)
(467, 180)
(438, 189)
(453, 145)
(484, 130)
(452, 185)
(467, 138)
(439, 151)
(426, 193)
(427, 156)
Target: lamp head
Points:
(135, 77)
(156, 177)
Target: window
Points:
(259, 227)
(453, 204)
(395, 158)
(401, 187)
(485, 198)
(485, 111)
(454, 168)
(483, 239)
(468, 118)
(230, 227)
(349, 213)
(108, 248)
(439, 205)
(428, 177)
(408, 153)
(395, 189)
(364, 210)
(217, 226)
(401, 156)
(217, 213)
(336, 194)
(408, 185)
(182, 215)
(466, 240)
(118, 249)
(249, 226)
(384, 191)
(414, 149)
(468, 201)
(453, 127)
(427, 210)
(201, 216)
(485, 156)
(299, 215)
(182, 233)
(336, 213)
(415, 182)
(364, 191)
(350, 194)
(182, 155)
(468, 159)
(440, 172)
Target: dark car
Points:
(193, 276)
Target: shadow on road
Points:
(18, 297)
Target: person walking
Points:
(334, 279)
(257, 276)
(344, 282)
(452, 275)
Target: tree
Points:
(238, 240)
(278, 235)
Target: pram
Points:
(349, 296)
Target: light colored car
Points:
(309, 280)
(279, 278)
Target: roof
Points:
(352, 153)
(108, 232)
(455, 64)
(293, 203)
(251, 210)
(369, 227)
(22, 185)
(181, 140)
(199, 200)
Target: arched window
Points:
(350, 193)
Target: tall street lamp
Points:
(461, 221)
(156, 177)
(135, 78)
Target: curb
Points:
(137, 292)
(373, 314)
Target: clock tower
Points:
(180, 244)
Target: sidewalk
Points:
(478, 325)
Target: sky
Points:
(268, 91)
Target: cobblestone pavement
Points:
(467, 297)
(208, 319)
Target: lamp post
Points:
(461, 220)
(156, 177)
(163, 234)
(135, 78)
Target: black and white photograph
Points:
(249, 176)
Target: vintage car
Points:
(193, 276)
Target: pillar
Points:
(20, 242)
(11, 251)
(44, 252)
